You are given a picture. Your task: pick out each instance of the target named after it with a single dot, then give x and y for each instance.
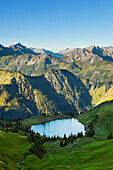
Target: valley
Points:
(38, 86)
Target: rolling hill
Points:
(103, 124)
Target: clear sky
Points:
(56, 24)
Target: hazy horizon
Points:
(53, 50)
(57, 25)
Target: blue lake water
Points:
(59, 127)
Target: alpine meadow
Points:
(56, 85)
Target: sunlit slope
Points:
(103, 125)
(29, 64)
(100, 91)
(91, 54)
(13, 147)
(101, 71)
(16, 98)
(97, 77)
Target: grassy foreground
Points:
(14, 154)
(97, 155)
(13, 148)
(83, 153)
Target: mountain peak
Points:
(1, 46)
(19, 44)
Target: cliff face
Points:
(71, 87)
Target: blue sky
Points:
(56, 24)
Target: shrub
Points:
(38, 149)
(110, 136)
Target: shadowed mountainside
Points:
(58, 91)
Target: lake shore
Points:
(35, 120)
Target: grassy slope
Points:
(96, 155)
(13, 147)
(104, 124)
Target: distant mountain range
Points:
(47, 52)
(57, 55)
(20, 49)
(42, 83)
(90, 54)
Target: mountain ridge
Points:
(58, 91)
(43, 84)
(90, 54)
(54, 92)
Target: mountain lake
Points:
(59, 127)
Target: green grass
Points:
(53, 148)
(13, 148)
(97, 155)
(83, 153)
(97, 94)
(100, 71)
(104, 124)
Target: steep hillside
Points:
(16, 96)
(98, 78)
(101, 117)
(70, 86)
(58, 91)
(13, 148)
